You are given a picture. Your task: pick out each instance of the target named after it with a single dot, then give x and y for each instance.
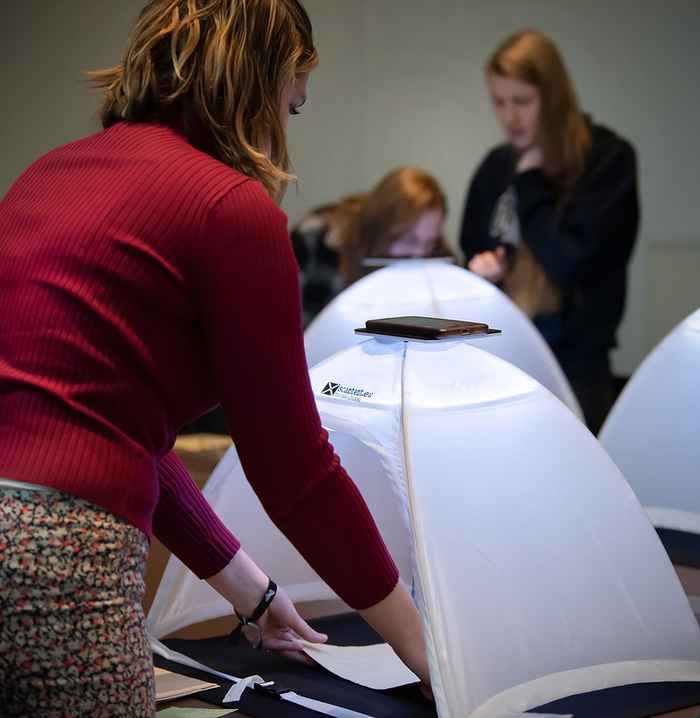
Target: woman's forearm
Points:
(397, 620)
(241, 582)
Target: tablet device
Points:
(424, 327)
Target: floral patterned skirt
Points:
(72, 629)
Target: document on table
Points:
(375, 666)
(171, 685)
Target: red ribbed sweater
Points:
(142, 282)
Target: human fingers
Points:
(305, 632)
(289, 645)
(285, 615)
(486, 265)
(282, 643)
(479, 264)
(299, 657)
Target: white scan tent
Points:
(653, 431)
(538, 574)
(436, 288)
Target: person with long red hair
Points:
(552, 214)
(402, 217)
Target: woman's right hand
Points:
(489, 265)
(396, 619)
(282, 629)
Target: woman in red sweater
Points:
(145, 275)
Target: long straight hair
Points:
(213, 70)
(564, 135)
(396, 202)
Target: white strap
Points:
(11, 484)
(236, 691)
(183, 660)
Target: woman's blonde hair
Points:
(214, 70)
(565, 139)
(395, 203)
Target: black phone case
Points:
(425, 327)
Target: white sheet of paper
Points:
(375, 667)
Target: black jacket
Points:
(583, 246)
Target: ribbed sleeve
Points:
(187, 525)
(249, 286)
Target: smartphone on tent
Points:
(425, 327)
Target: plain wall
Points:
(401, 81)
(47, 46)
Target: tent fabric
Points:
(622, 702)
(536, 570)
(653, 431)
(436, 288)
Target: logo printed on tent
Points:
(431, 287)
(332, 388)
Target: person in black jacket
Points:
(552, 215)
(318, 247)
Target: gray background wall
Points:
(401, 81)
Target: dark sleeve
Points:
(185, 523)
(319, 276)
(597, 225)
(474, 234)
(250, 308)
(470, 240)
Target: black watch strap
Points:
(265, 601)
